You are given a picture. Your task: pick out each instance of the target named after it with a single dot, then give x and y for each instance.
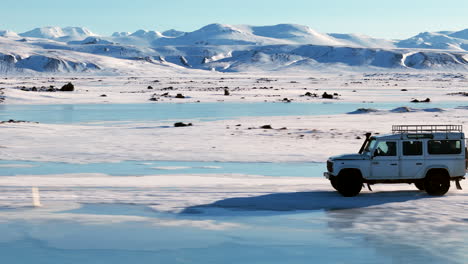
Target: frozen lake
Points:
(119, 233)
(80, 113)
(271, 223)
(163, 167)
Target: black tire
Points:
(437, 184)
(334, 182)
(349, 184)
(420, 185)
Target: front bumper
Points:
(328, 175)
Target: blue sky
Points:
(388, 19)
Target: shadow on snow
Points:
(318, 200)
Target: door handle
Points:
(394, 164)
(419, 163)
(375, 162)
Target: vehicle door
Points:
(412, 161)
(385, 163)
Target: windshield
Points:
(370, 145)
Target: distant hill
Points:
(8, 33)
(58, 33)
(437, 40)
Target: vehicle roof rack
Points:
(421, 129)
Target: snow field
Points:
(292, 139)
(254, 87)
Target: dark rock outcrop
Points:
(427, 100)
(69, 87)
(12, 121)
(310, 94)
(181, 124)
(325, 95)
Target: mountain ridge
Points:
(225, 34)
(226, 48)
(59, 33)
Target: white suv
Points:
(430, 156)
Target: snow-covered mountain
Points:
(296, 34)
(147, 34)
(90, 40)
(215, 34)
(220, 34)
(437, 40)
(141, 37)
(8, 33)
(19, 57)
(306, 57)
(120, 34)
(58, 33)
(225, 48)
(172, 33)
(462, 34)
(360, 40)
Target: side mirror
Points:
(375, 154)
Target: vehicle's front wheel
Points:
(419, 185)
(349, 184)
(437, 184)
(334, 182)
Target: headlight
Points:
(329, 166)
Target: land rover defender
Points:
(428, 156)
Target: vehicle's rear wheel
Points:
(437, 183)
(420, 185)
(349, 183)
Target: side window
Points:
(385, 148)
(412, 148)
(440, 147)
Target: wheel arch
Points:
(437, 169)
(355, 171)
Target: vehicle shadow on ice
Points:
(315, 200)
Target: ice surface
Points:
(270, 219)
